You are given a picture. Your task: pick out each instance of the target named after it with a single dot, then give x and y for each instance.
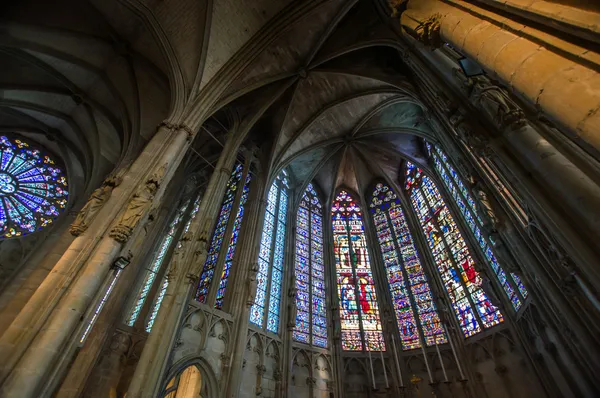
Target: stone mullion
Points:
(216, 279)
(184, 271)
(452, 259)
(271, 257)
(482, 265)
(356, 289)
(245, 264)
(407, 281)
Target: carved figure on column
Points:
(96, 201)
(491, 222)
(292, 307)
(396, 6)
(493, 100)
(476, 141)
(486, 285)
(252, 284)
(137, 206)
(428, 31)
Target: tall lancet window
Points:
(311, 318)
(474, 310)
(512, 285)
(408, 285)
(219, 258)
(359, 313)
(270, 258)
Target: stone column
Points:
(564, 89)
(185, 267)
(246, 269)
(38, 355)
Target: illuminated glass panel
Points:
(165, 280)
(156, 265)
(470, 213)
(33, 191)
(359, 313)
(270, 258)
(311, 318)
(403, 268)
(232, 244)
(219, 234)
(451, 254)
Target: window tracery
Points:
(33, 190)
(359, 312)
(470, 212)
(473, 309)
(311, 316)
(412, 298)
(270, 258)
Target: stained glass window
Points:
(156, 264)
(359, 313)
(165, 280)
(468, 209)
(411, 295)
(219, 234)
(311, 316)
(456, 266)
(270, 258)
(33, 190)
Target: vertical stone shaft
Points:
(542, 76)
(185, 266)
(20, 333)
(246, 256)
(47, 346)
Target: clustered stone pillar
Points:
(184, 269)
(33, 344)
(506, 50)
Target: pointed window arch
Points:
(216, 250)
(359, 312)
(512, 285)
(270, 259)
(473, 309)
(311, 318)
(411, 295)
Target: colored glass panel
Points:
(232, 244)
(311, 316)
(451, 254)
(403, 268)
(218, 235)
(165, 280)
(33, 191)
(470, 213)
(270, 258)
(359, 313)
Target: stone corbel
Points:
(137, 207)
(94, 204)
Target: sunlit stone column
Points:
(40, 347)
(185, 268)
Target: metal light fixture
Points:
(470, 68)
(121, 263)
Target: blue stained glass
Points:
(33, 191)
(459, 191)
(310, 298)
(218, 235)
(451, 254)
(270, 258)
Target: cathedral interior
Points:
(300, 198)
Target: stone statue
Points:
(492, 100)
(491, 222)
(486, 285)
(252, 284)
(427, 31)
(293, 308)
(96, 201)
(137, 206)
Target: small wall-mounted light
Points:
(470, 68)
(120, 263)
